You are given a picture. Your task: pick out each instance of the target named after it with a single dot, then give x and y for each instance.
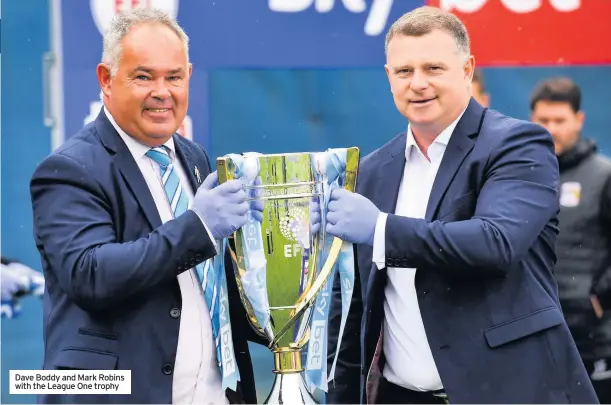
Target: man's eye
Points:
(173, 78)
(142, 77)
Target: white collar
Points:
(442, 139)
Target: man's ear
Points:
(104, 78)
(581, 117)
(190, 69)
(470, 68)
(387, 69)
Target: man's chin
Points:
(165, 130)
(420, 119)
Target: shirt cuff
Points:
(216, 247)
(379, 241)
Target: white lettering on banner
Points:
(517, 6)
(96, 382)
(251, 231)
(228, 360)
(222, 307)
(323, 302)
(376, 19)
(104, 10)
(316, 345)
(94, 110)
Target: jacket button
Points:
(175, 313)
(167, 369)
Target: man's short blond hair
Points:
(123, 23)
(423, 20)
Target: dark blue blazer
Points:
(112, 299)
(485, 258)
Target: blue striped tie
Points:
(179, 203)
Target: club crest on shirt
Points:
(570, 194)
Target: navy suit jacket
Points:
(112, 298)
(485, 258)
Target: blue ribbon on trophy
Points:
(224, 351)
(330, 167)
(254, 281)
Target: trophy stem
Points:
(289, 386)
(287, 360)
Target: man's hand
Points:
(18, 280)
(223, 208)
(351, 217)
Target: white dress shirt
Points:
(197, 379)
(409, 361)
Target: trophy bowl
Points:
(283, 264)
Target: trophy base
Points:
(290, 389)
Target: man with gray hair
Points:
(454, 223)
(128, 220)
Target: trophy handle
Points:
(225, 173)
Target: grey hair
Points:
(121, 25)
(423, 20)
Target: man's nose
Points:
(419, 80)
(160, 91)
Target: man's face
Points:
(149, 96)
(429, 78)
(479, 95)
(561, 121)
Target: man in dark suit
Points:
(454, 223)
(127, 220)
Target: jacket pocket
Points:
(85, 359)
(524, 326)
(459, 203)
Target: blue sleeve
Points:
(75, 230)
(517, 200)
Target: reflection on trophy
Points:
(285, 267)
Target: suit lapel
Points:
(389, 178)
(128, 167)
(191, 170)
(458, 148)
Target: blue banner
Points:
(224, 34)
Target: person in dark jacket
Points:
(583, 246)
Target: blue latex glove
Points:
(223, 208)
(351, 217)
(314, 216)
(18, 280)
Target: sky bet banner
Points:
(312, 34)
